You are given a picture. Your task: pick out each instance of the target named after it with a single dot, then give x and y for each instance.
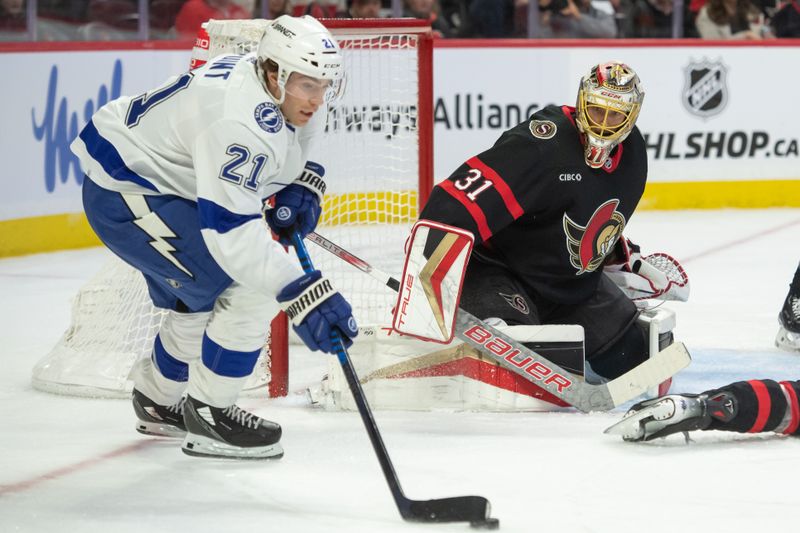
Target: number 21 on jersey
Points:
(473, 177)
(241, 157)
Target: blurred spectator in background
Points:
(492, 18)
(195, 12)
(12, 15)
(650, 19)
(575, 19)
(276, 8)
(431, 11)
(694, 8)
(731, 19)
(318, 10)
(362, 9)
(456, 13)
(786, 22)
(110, 20)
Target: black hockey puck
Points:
(489, 523)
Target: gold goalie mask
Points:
(609, 99)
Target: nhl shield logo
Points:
(706, 91)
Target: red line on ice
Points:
(743, 240)
(71, 469)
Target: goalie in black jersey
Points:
(548, 204)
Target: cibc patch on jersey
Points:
(588, 245)
(543, 129)
(268, 117)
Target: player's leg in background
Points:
(160, 380)
(788, 337)
(754, 406)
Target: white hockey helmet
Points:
(609, 99)
(303, 45)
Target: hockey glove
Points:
(315, 307)
(295, 206)
(656, 276)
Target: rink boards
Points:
(714, 119)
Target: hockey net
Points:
(377, 151)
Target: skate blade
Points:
(786, 340)
(632, 426)
(199, 446)
(156, 429)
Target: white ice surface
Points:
(77, 465)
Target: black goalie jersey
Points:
(534, 205)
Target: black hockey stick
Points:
(473, 509)
(532, 366)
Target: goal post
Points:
(377, 149)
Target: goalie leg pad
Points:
(629, 350)
(406, 373)
(651, 333)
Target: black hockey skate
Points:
(788, 337)
(676, 413)
(229, 432)
(159, 420)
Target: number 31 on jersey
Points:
(473, 177)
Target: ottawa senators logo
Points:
(543, 129)
(588, 245)
(517, 302)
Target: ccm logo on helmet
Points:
(500, 349)
(286, 31)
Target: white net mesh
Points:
(113, 325)
(370, 152)
(372, 141)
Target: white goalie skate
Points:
(662, 416)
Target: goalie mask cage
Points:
(377, 149)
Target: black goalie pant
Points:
(613, 342)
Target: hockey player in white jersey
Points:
(176, 180)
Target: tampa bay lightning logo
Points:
(269, 118)
(284, 213)
(351, 323)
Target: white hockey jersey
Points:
(215, 136)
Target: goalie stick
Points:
(514, 356)
(473, 509)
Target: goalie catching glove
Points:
(657, 276)
(315, 308)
